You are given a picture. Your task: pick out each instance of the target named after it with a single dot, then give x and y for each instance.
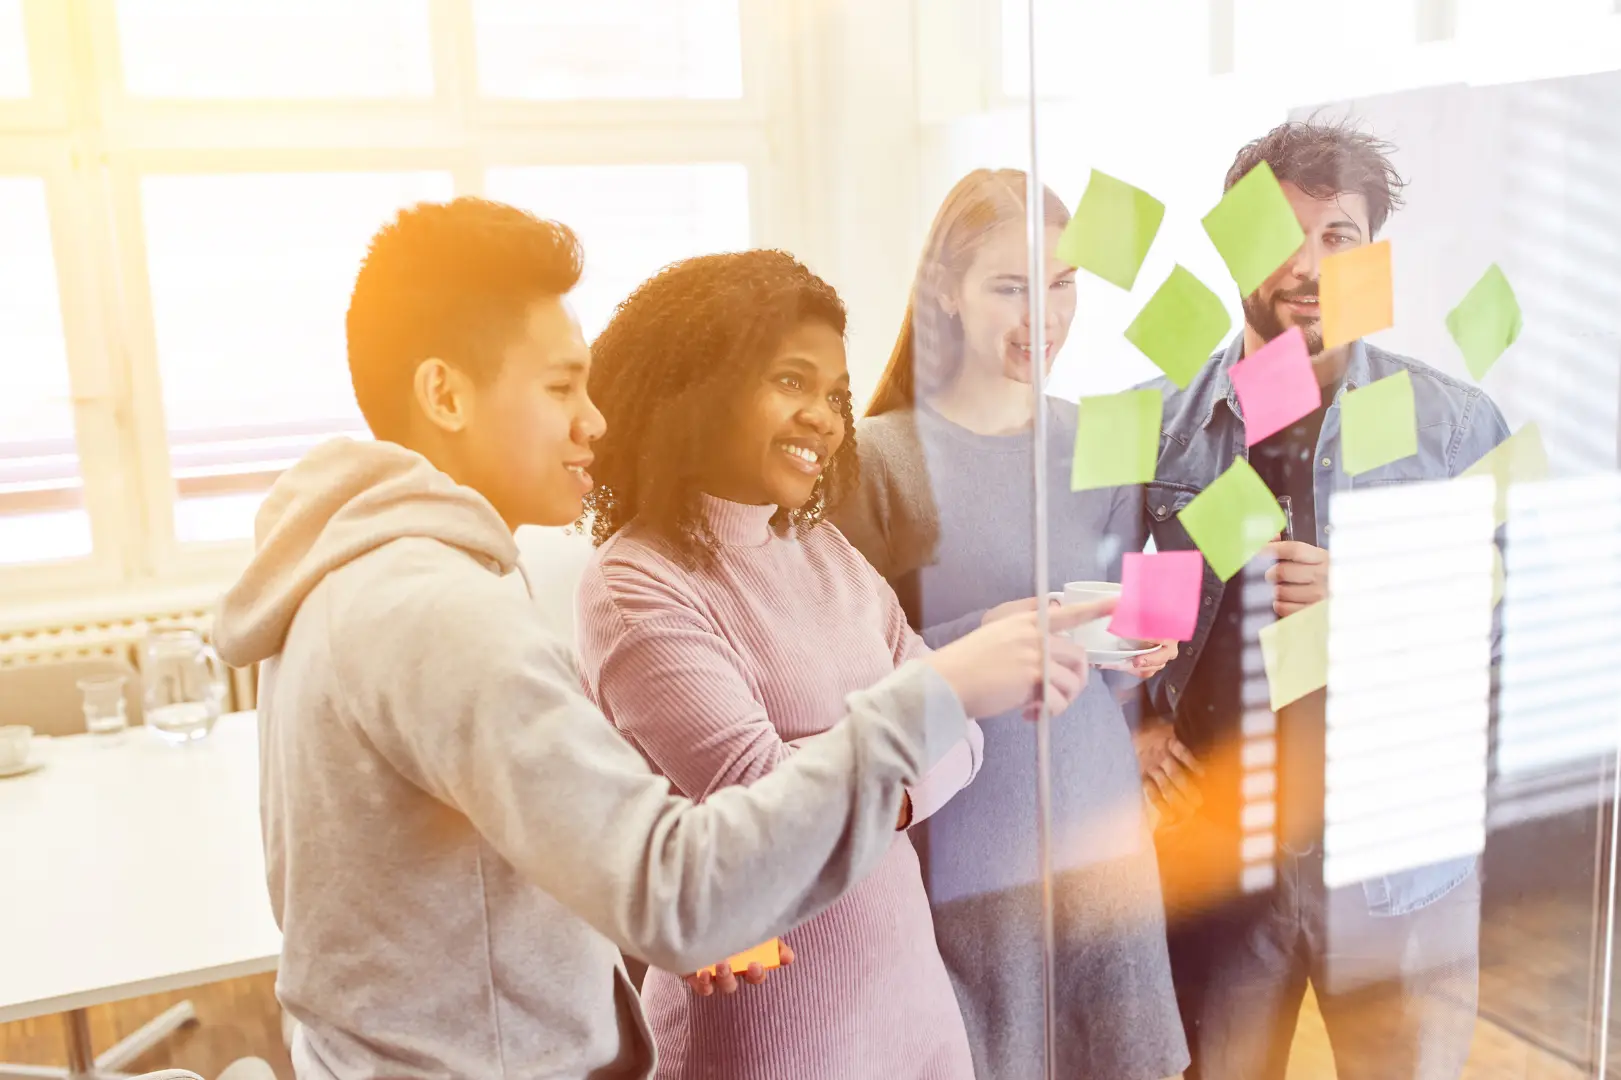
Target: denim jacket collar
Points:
(1356, 374)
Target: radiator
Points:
(117, 638)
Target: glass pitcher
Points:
(185, 684)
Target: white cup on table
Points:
(1094, 635)
(16, 743)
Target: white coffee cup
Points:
(1094, 635)
(16, 742)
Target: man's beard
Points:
(1262, 317)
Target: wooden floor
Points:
(240, 1018)
(236, 1019)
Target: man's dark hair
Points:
(667, 371)
(1324, 159)
(453, 281)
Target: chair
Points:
(45, 695)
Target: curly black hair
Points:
(667, 368)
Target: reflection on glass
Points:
(288, 49)
(250, 279)
(632, 219)
(1561, 676)
(1409, 677)
(560, 50)
(14, 80)
(41, 503)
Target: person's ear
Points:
(443, 394)
(940, 290)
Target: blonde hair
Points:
(928, 351)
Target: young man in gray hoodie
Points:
(458, 844)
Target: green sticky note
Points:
(1378, 424)
(1180, 326)
(1295, 652)
(1521, 458)
(1233, 518)
(1254, 228)
(1116, 440)
(1486, 321)
(1112, 230)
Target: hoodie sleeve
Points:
(491, 720)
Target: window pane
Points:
(564, 49)
(1084, 47)
(251, 276)
(632, 219)
(42, 513)
(14, 82)
(285, 49)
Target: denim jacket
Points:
(1203, 433)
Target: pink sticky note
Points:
(1276, 386)
(1159, 596)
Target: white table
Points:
(129, 869)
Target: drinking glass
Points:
(104, 712)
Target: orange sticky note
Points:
(1355, 293)
(765, 955)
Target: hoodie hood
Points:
(343, 500)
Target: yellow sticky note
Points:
(1519, 459)
(767, 956)
(1354, 293)
(1295, 651)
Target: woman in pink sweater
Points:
(722, 624)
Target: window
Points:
(632, 219)
(14, 78)
(250, 278)
(561, 49)
(214, 49)
(240, 157)
(42, 516)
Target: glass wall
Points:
(1372, 831)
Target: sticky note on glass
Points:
(1180, 326)
(767, 956)
(1233, 518)
(1519, 459)
(1116, 440)
(1295, 651)
(1159, 595)
(1354, 293)
(1378, 424)
(1276, 386)
(1486, 321)
(1254, 228)
(1112, 230)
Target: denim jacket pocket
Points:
(1410, 890)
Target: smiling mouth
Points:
(581, 474)
(1023, 350)
(808, 459)
(1306, 305)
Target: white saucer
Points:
(1096, 657)
(24, 769)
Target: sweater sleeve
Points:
(491, 721)
(863, 516)
(961, 764)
